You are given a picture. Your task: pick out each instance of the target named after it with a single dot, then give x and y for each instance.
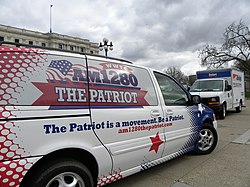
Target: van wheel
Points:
(63, 172)
(222, 113)
(207, 140)
(239, 108)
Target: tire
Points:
(222, 113)
(63, 172)
(208, 139)
(239, 108)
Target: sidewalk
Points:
(227, 166)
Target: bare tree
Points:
(177, 74)
(236, 49)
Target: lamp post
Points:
(50, 18)
(106, 46)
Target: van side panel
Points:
(127, 115)
(43, 108)
(238, 86)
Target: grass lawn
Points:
(248, 95)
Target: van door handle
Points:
(169, 112)
(155, 113)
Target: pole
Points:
(50, 17)
(106, 52)
(105, 46)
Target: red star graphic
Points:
(156, 142)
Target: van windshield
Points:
(207, 86)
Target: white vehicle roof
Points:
(209, 79)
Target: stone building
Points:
(53, 40)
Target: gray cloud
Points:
(155, 33)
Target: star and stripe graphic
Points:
(156, 142)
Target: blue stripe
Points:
(92, 107)
(114, 86)
(110, 107)
(213, 75)
(67, 107)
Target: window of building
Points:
(83, 49)
(44, 44)
(60, 46)
(1, 39)
(71, 48)
(16, 40)
(30, 42)
(91, 52)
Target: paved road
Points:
(227, 166)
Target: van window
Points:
(226, 85)
(207, 86)
(172, 93)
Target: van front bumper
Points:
(216, 108)
(213, 103)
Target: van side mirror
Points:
(228, 88)
(196, 99)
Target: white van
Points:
(220, 89)
(71, 119)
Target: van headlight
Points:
(214, 101)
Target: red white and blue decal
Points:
(66, 86)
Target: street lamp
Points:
(106, 46)
(50, 19)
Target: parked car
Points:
(83, 120)
(220, 89)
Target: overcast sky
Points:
(153, 33)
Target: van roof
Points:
(217, 70)
(17, 47)
(209, 79)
